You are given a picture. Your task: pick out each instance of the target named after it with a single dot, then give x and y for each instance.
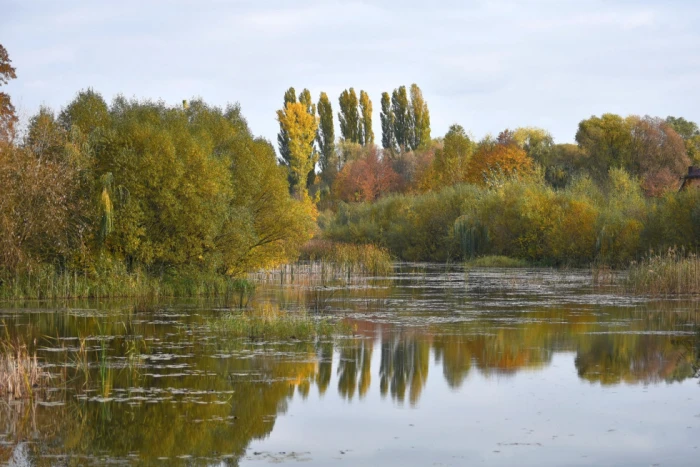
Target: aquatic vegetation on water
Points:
(352, 258)
(496, 262)
(665, 274)
(20, 373)
(272, 323)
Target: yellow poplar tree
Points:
(301, 127)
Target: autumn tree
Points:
(491, 162)
(659, 154)
(325, 139)
(420, 119)
(300, 126)
(365, 131)
(690, 133)
(366, 178)
(349, 116)
(387, 118)
(290, 97)
(8, 119)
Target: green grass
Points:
(668, 274)
(273, 324)
(496, 262)
(46, 282)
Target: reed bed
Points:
(352, 258)
(20, 373)
(47, 282)
(672, 273)
(271, 323)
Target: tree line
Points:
(142, 186)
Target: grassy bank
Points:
(665, 274)
(272, 323)
(46, 282)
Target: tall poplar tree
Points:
(420, 119)
(401, 108)
(7, 110)
(290, 97)
(349, 116)
(387, 118)
(325, 138)
(306, 100)
(365, 130)
(300, 127)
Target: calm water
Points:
(447, 367)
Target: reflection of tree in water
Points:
(355, 362)
(404, 364)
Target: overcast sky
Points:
(487, 65)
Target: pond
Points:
(445, 366)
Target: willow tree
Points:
(365, 131)
(300, 126)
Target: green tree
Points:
(349, 117)
(87, 112)
(452, 160)
(607, 142)
(325, 139)
(401, 110)
(305, 99)
(365, 131)
(387, 118)
(420, 119)
(290, 97)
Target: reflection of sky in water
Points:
(512, 367)
(547, 416)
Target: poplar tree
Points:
(349, 116)
(325, 138)
(307, 102)
(290, 97)
(420, 119)
(401, 109)
(365, 130)
(300, 127)
(387, 118)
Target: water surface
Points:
(446, 367)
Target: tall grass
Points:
(671, 273)
(272, 323)
(495, 261)
(351, 258)
(20, 373)
(49, 282)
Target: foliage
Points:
(300, 126)
(366, 178)
(8, 119)
(349, 117)
(365, 131)
(387, 118)
(325, 140)
(351, 258)
(503, 159)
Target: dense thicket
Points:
(146, 186)
(612, 223)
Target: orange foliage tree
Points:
(366, 179)
(498, 159)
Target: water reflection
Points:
(160, 387)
